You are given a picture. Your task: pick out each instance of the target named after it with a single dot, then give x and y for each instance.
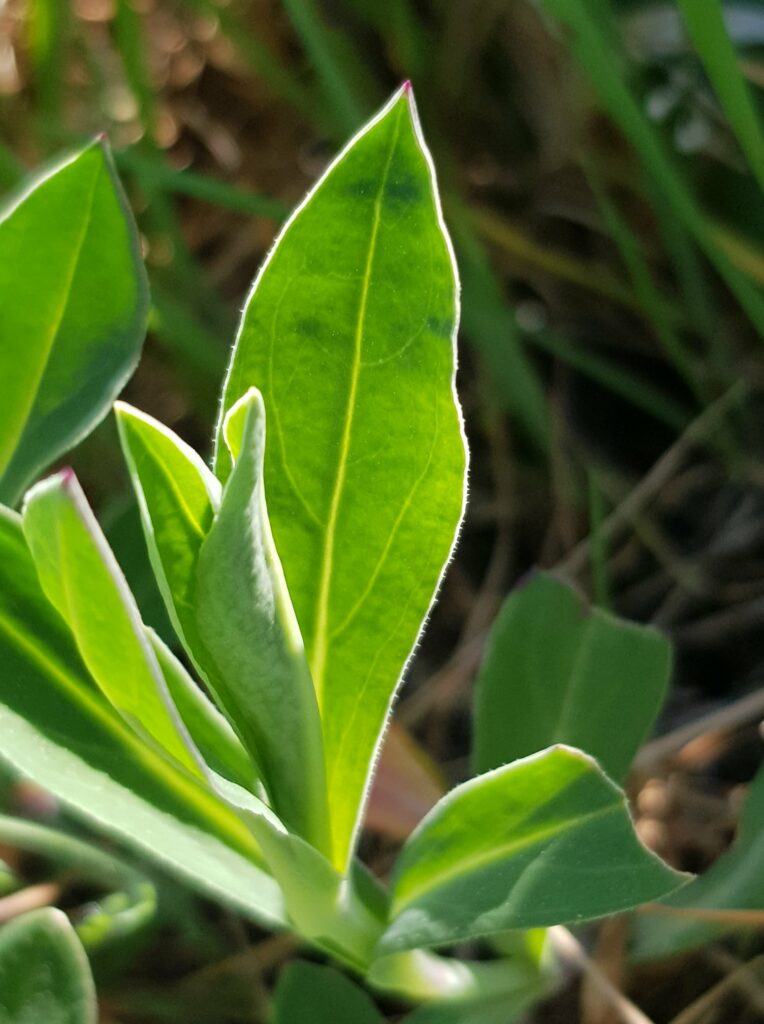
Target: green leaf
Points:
(224, 587)
(734, 882)
(468, 991)
(178, 498)
(349, 334)
(44, 973)
(307, 992)
(708, 31)
(210, 732)
(600, 61)
(82, 580)
(74, 298)
(253, 652)
(557, 672)
(545, 840)
(58, 729)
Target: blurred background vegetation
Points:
(602, 167)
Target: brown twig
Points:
(34, 896)
(740, 712)
(571, 952)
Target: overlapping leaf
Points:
(348, 334)
(82, 580)
(224, 587)
(60, 730)
(252, 648)
(555, 672)
(545, 840)
(74, 301)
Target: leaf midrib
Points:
(321, 635)
(239, 839)
(55, 323)
(487, 858)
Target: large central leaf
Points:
(348, 334)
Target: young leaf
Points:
(82, 580)
(556, 672)
(224, 587)
(349, 334)
(307, 992)
(253, 652)
(734, 882)
(74, 298)
(59, 730)
(44, 973)
(178, 498)
(545, 840)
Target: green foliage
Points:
(44, 973)
(707, 30)
(59, 729)
(73, 322)
(332, 533)
(545, 840)
(554, 672)
(319, 994)
(348, 334)
(83, 582)
(251, 639)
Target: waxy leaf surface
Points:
(252, 649)
(545, 840)
(58, 729)
(44, 972)
(557, 672)
(82, 580)
(74, 301)
(349, 335)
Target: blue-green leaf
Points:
(252, 648)
(557, 672)
(321, 995)
(545, 840)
